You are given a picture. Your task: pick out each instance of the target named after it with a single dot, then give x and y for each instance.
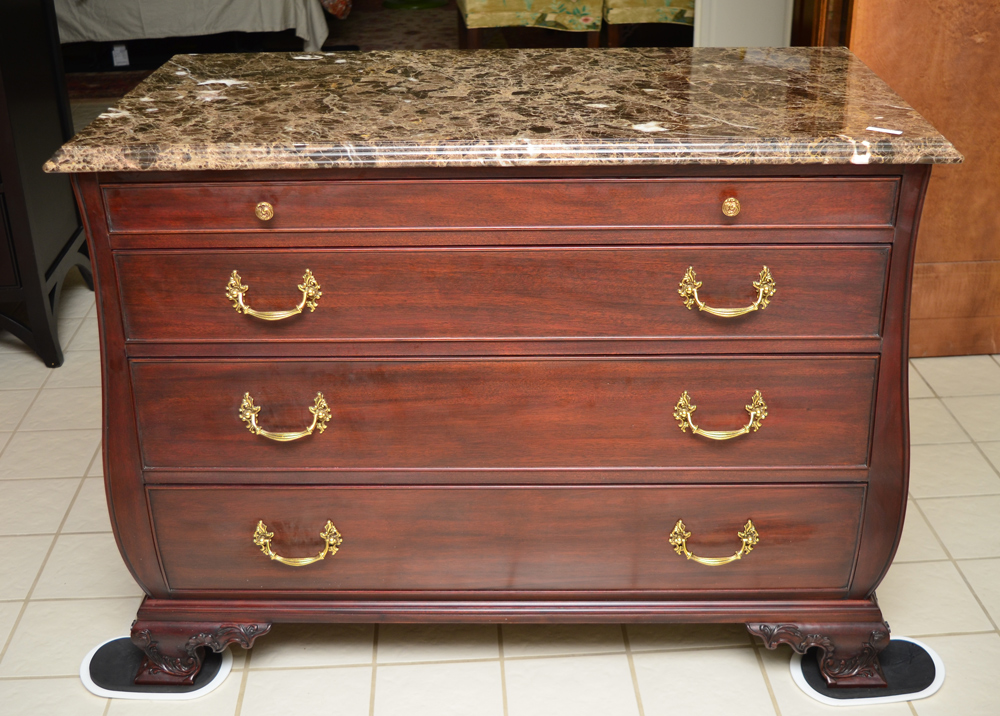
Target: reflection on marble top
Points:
(507, 108)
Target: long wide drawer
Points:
(484, 204)
(504, 413)
(414, 294)
(491, 538)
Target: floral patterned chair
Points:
(568, 15)
(621, 12)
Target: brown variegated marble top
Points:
(507, 108)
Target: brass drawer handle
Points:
(689, 293)
(265, 212)
(235, 291)
(679, 537)
(320, 412)
(684, 409)
(330, 535)
(731, 207)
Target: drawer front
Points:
(478, 204)
(504, 413)
(414, 294)
(490, 538)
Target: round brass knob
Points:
(731, 206)
(265, 212)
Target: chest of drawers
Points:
(622, 391)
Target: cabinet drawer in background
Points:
(442, 414)
(414, 294)
(494, 538)
(484, 204)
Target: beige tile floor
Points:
(63, 587)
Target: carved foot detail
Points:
(175, 650)
(848, 653)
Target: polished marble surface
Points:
(507, 108)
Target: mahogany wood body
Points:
(526, 348)
(538, 294)
(550, 413)
(525, 539)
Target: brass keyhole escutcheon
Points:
(265, 212)
(731, 206)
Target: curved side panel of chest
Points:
(885, 503)
(130, 519)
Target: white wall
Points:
(743, 23)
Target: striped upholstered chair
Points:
(622, 12)
(568, 15)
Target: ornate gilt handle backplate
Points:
(236, 291)
(319, 409)
(748, 537)
(690, 284)
(685, 409)
(330, 536)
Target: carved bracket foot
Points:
(848, 653)
(174, 650)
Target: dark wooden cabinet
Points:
(480, 415)
(40, 234)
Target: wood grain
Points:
(954, 336)
(497, 294)
(427, 205)
(508, 538)
(521, 608)
(954, 81)
(493, 413)
(552, 407)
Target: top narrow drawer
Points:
(478, 204)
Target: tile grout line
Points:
(38, 392)
(45, 561)
(767, 679)
(979, 601)
(974, 559)
(958, 497)
(422, 662)
(962, 427)
(631, 668)
(243, 681)
(371, 698)
(935, 635)
(913, 709)
(921, 561)
(49, 430)
(49, 677)
(59, 533)
(503, 670)
(48, 534)
(70, 339)
(4, 480)
(933, 529)
(954, 563)
(56, 600)
(481, 660)
(529, 657)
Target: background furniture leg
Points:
(469, 38)
(614, 35)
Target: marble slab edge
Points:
(731, 152)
